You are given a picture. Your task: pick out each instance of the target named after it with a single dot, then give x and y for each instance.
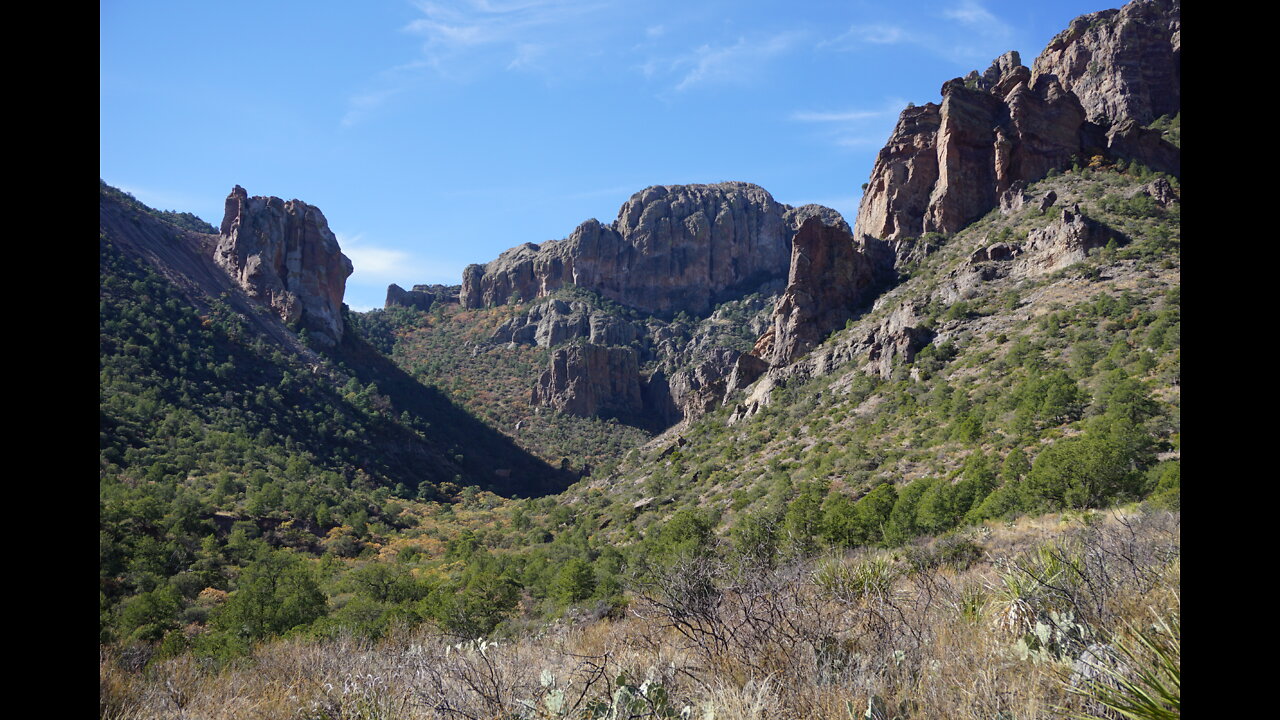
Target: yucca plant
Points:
(1032, 585)
(871, 578)
(1142, 680)
(970, 604)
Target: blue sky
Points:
(437, 134)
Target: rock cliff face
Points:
(1122, 64)
(589, 380)
(693, 370)
(828, 278)
(699, 389)
(284, 255)
(1092, 92)
(671, 248)
(555, 321)
(947, 165)
(417, 299)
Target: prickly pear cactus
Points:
(1056, 637)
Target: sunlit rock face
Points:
(283, 254)
(1093, 91)
(672, 248)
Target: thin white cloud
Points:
(462, 39)
(378, 262)
(527, 56)
(732, 64)
(973, 14)
(846, 116)
(854, 128)
(451, 29)
(376, 265)
(361, 105)
(890, 108)
(874, 34)
(965, 32)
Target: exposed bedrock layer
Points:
(590, 380)
(1122, 64)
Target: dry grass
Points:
(816, 640)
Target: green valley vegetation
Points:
(448, 349)
(856, 545)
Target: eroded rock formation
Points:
(827, 279)
(947, 165)
(877, 348)
(283, 254)
(671, 248)
(705, 386)
(589, 380)
(415, 298)
(1064, 242)
(1092, 92)
(1122, 64)
(556, 321)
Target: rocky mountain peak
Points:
(1091, 93)
(283, 254)
(1122, 64)
(671, 248)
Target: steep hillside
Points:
(527, 369)
(1031, 341)
(217, 425)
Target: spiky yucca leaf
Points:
(1147, 683)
